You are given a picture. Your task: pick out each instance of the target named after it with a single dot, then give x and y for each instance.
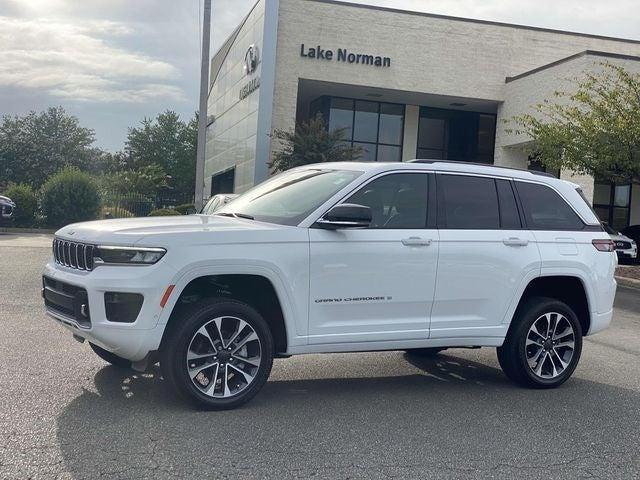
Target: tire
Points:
(426, 352)
(109, 357)
(224, 370)
(531, 358)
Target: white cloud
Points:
(75, 61)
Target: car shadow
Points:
(445, 416)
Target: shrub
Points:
(164, 212)
(186, 208)
(26, 204)
(70, 196)
(115, 212)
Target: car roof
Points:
(444, 166)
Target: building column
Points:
(410, 140)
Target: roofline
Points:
(475, 20)
(478, 164)
(596, 53)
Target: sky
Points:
(113, 62)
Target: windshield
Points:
(289, 198)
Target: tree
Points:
(312, 142)
(146, 180)
(37, 145)
(169, 143)
(594, 131)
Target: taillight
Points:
(604, 245)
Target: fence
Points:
(118, 205)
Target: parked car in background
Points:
(633, 232)
(216, 202)
(7, 207)
(626, 248)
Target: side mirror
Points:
(346, 215)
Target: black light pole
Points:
(202, 115)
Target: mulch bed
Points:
(629, 271)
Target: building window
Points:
(456, 135)
(223, 182)
(612, 202)
(376, 127)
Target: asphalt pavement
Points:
(66, 414)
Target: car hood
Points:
(167, 231)
(6, 200)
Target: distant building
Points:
(405, 84)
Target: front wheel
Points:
(543, 346)
(219, 354)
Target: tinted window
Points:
(509, 216)
(397, 200)
(544, 209)
(468, 202)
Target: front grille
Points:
(66, 299)
(623, 245)
(73, 254)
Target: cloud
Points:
(76, 61)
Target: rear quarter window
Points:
(544, 209)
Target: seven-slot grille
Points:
(73, 254)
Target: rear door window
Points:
(466, 202)
(544, 209)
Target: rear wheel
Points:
(219, 354)
(109, 357)
(543, 346)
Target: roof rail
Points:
(478, 164)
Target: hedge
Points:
(26, 204)
(164, 212)
(70, 196)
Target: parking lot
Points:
(67, 414)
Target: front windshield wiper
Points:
(236, 215)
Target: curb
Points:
(26, 230)
(628, 282)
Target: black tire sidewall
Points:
(176, 349)
(534, 312)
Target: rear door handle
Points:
(416, 242)
(515, 242)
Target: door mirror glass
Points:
(346, 215)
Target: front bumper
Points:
(134, 340)
(631, 253)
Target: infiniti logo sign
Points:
(251, 59)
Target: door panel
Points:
(478, 276)
(366, 285)
(377, 284)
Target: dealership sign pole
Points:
(202, 115)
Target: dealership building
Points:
(402, 84)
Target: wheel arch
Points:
(256, 288)
(569, 289)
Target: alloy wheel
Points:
(223, 357)
(550, 345)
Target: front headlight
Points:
(113, 255)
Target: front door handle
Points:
(416, 242)
(515, 242)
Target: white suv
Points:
(342, 257)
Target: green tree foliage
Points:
(26, 204)
(37, 145)
(168, 143)
(594, 131)
(146, 180)
(312, 142)
(70, 196)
